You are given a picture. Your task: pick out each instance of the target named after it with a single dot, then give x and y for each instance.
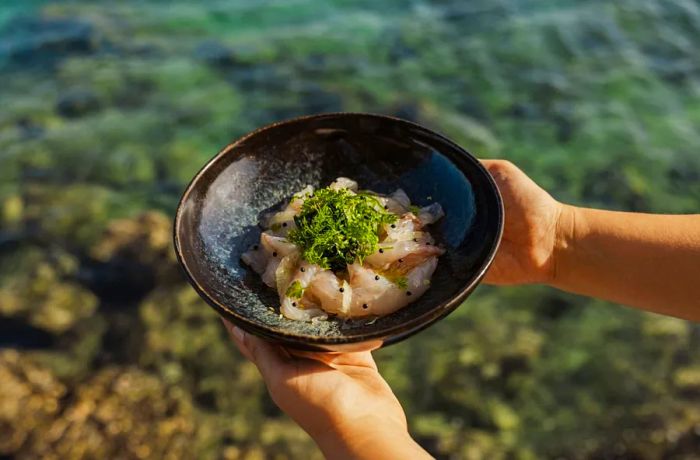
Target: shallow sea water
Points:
(107, 109)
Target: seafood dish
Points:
(344, 252)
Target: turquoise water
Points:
(107, 109)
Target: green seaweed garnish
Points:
(335, 228)
(295, 290)
(401, 282)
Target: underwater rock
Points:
(11, 210)
(407, 111)
(523, 110)
(144, 240)
(186, 345)
(29, 129)
(77, 102)
(120, 413)
(184, 336)
(258, 77)
(45, 40)
(29, 400)
(36, 286)
(71, 357)
(318, 100)
(215, 53)
(73, 215)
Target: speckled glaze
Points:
(217, 218)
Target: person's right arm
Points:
(645, 261)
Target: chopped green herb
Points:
(414, 209)
(337, 227)
(295, 291)
(401, 282)
(275, 227)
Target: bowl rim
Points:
(398, 331)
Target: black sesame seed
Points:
(376, 277)
(274, 254)
(386, 207)
(284, 224)
(415, 239)
(255, 247)
(294, 304)
(427, 243)
(364, 305)
(341, 290)
(381, 251)
(400, 260)
(302, 269)
(393, 225)
(408, 292)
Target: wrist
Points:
(564, 242)
(367, 438)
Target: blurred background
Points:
(107, 109)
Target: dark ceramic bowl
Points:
(217, 218)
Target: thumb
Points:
(268, 358)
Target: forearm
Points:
(374, 441)
(641, 260)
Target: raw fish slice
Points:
(255, 259)
(298, 199)
(397, 203)
(367, 285)
(310, 303)
(385, 297)
(279, 224)
(276, 246)
(392, 205)
(403, 229)
(285, 272)
(404, 265)
(302, 314)
(391, 252)
(401, 198)
(344, 183)
(269, 276)
(325, 288)
(430, 214)
(286, 215)
(292, 308)
(423, 238)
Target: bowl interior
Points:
(218, 215)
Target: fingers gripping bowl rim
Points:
(217, 217)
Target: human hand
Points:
(340, 399)
(527, 251)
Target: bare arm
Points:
(339, 399)
(645, 261)
(642, 260)
(377, 442)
